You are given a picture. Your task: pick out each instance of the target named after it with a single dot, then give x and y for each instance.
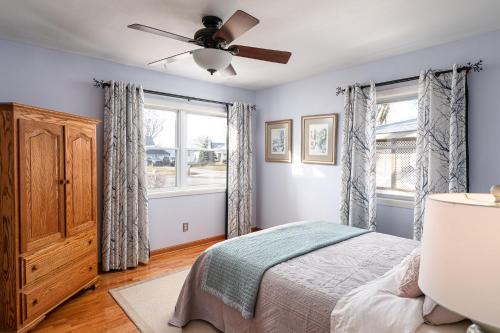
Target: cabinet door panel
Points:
(41, 171)
(81, 184)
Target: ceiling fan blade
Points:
(261, 54)
(174, 58)
(163, 33)
(239, 23)
(228, 71)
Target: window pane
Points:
(396, 136)
(206, 167)
(206, 132)
(390, 113)
(206, 154)
(161, 169)
(396, 165)
(405, 165)
(384, 164)
(161, 153)
(160, 128)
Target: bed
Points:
(298, 295)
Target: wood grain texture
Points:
(41, 170)
(34, 322)
(80, 179)
(33, 213)
(182, 246)
(42, 263)
(96, 311)
(44, 296)
(194, 243)
(239, 23)
(41, 114)
(257, 53)
(8, 230)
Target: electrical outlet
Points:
(185, 227)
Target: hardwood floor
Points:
(96, 311)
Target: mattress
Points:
(297, 295)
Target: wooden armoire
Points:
(48, 233)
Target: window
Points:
(396, 144)
(206, 150)
(185, 151)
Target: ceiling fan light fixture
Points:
(212, 60)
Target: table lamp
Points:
(460, 259)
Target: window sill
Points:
(394, 199)
(186, 192)
(400, 203)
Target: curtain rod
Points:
(476, 67)
(102, 84)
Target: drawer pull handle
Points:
(35, 302)
(90, 268)
(34, 268)
(90, 241)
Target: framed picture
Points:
(279, 141)
(319, 138)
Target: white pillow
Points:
(375, 307)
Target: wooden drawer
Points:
(41, 264)
(42, 298)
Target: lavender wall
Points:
(63, 81)
(285, 192)
(291, 192)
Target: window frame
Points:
(401, 199)
(182, 110)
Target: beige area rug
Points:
(149, 304)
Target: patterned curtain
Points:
(239, 186)
(358, 194)
(441, 138)
(125, 239)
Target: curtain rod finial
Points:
(476, 67)
(98, 83)
(340, 90)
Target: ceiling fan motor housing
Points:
(204, 35)
(211, 21)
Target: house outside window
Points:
(396, 146)
(186, 150)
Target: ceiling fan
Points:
(216, 53)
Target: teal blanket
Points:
(234, 268)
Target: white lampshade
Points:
(212, 59)
(460, 260)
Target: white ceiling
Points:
(321, 34)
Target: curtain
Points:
(125, 238)
(239, 185)
(358, 193)
(441, 162)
